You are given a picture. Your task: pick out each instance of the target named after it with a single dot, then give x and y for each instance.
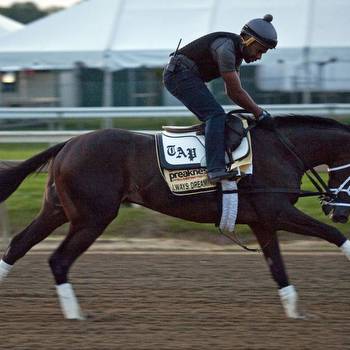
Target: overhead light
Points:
(8, 78)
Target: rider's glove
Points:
(264, 115)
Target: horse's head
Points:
(339, 183)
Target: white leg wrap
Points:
(289, 299)
(346, 248)
(4, 269)
(69, 303)
(229, 206)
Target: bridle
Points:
(328, 196)
(343, 187)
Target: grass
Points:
(9, 151)
(25, 203)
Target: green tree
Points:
(26, 12)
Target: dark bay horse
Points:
(91, 175)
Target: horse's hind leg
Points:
(47, 221)
(91, 219)
(79, 239)
(268, 241)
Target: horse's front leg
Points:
(268, 241)
(293, 220)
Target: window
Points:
(9, 81)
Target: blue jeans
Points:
(186, 85)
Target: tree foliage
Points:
(26, 12)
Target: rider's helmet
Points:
(262, 30)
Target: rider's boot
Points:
(221, 174)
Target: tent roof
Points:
(132, 33)
(8, 25)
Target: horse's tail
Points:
(11, 178)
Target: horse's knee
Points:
(59, 268)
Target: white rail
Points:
(330, 110)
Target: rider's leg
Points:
(190, 89)
(215, 142)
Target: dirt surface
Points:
(177, 300)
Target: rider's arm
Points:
(223, 52)
(238, 95)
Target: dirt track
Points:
(177, 301)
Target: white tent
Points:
(117, 34)
(132, 33)
(8, 25)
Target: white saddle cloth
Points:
(188, 149)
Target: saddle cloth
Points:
(181, 159)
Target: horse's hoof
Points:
(301, 317)
(298, 316)
(89, 317)
(77, 319)
(81, 317)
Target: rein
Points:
(315, 178)
(322, 188)
(300, 193)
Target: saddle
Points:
(181, 154)
(234, 130)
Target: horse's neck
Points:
(318, 146)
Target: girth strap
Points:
(297, 191)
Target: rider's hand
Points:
(265, 120)
(264, 115)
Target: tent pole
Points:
(107, 95)
(108, 72)
(306, 96)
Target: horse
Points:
(91, 175)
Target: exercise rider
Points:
(207, 58)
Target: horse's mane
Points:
(309, 120)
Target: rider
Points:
(207, 58)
